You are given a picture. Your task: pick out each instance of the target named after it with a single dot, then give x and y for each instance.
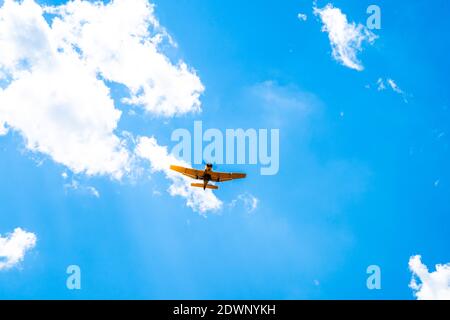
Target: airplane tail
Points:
(208, 186)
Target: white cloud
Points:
(249, 201)
(93, 191)
(3, 128)
(431, 286)
(14, 246)
(56, 92)
(383, 84)
(63, 111)
(302, 17)
(394, 86)
(380, 85)
(198, 199)
(157, 193)
(121, 41)
(346, 38)
(77, 186)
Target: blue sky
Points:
(363, 176)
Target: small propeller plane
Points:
(207, 175)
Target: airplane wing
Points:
(191, 173)
(224, 176)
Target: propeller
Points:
(211, 163)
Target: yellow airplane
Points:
(207, 175)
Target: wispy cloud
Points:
(160, 160)
(383, 84)
(302, 17)
(429, 285)
(77, 186)
(380, 85)
(249, 201)
(282, 103)
(14, 246)
(394, 86)
(346, 38)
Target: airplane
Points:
(207, 175)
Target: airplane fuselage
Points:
(207, 175)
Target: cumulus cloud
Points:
(120, 41)
(14, 246)
(198, 199)
(346, 38)
(429, 285)
(55, 76)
